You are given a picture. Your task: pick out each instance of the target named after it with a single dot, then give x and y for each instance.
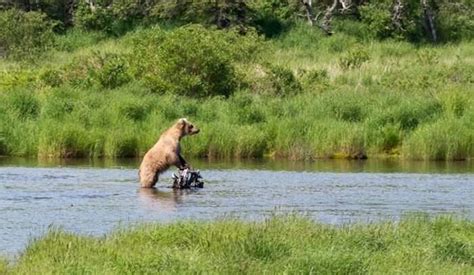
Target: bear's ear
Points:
(182, 122)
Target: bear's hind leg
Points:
(148, 179)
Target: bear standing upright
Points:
(165, 152)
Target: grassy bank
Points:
(278, 245)
(300, 96)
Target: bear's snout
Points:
(195, 131)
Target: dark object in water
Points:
(187, 179)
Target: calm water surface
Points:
(96, 197)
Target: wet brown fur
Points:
(165, 153)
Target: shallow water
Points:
(96, 197)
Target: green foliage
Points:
(223, 14)
(314, 80)
(51, 77)
(299, 96)
(377, 17)
(454, 20)
(445, 139)
(290, 245)
(111, 17)
(106, 70)
(272, 18)
(25, 35)
(76, 38)
(191, 61)
(284, 81)
(111, 70)
(354, 58)
(24, 104)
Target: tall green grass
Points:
(278, 245)
(305, 96)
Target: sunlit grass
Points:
(398, 100)
(416, 244)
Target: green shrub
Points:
(314, 80)
(223, 13)
(268, 79)
(98, 19)
(191, 61)
(354, 58)
(25, 34)
(284, 81)
(272, 18)
(377, 16)
(454, 20)
(106, 70)
(112, 70)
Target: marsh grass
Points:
(416, 244)
(294, 100)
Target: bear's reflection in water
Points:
(154, 199)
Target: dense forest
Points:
(262, 78)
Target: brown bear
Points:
(165, 153)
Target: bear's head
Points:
(186, 127)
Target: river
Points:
(95, 197)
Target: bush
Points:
(112, 70)
(284, 81)
(377, 15)
(314, 80)
(106, 70)
(273, 17)
(271, 80)
(454, 20)
(25, 34)
(99, 19)
(354, 58)
(191, 61)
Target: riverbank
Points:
(299, 96)
(417, 244)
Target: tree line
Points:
(415, 20)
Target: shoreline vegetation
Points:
(279, 244)
(106, 88)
